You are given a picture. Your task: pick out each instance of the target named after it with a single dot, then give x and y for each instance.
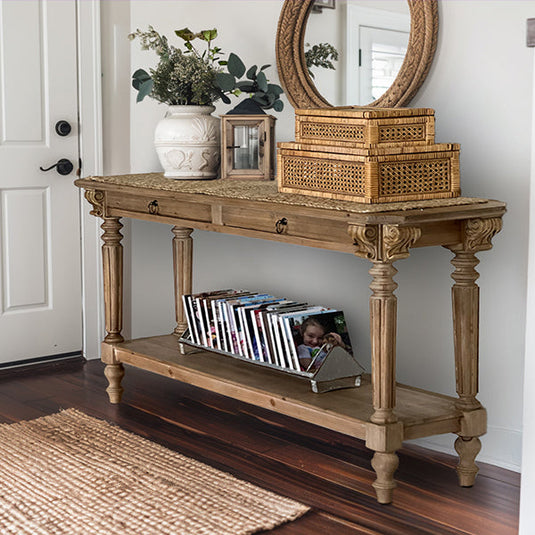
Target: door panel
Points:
(25, 230)
(40, 301)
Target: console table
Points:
(381, 412)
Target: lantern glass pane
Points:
(245, 147)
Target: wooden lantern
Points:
(247, 146)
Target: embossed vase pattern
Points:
(187, 143)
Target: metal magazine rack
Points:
(337, 369)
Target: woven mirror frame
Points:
(296, 81)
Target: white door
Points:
(40, 274)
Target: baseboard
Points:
(500, 447)
(40, 363)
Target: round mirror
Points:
(355, 52)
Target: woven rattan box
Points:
(370, 155)
(377, 175)
(350, 126)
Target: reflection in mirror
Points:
(354, 52)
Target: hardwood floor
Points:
(326, 470)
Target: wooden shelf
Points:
(347, 411)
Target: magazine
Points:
(235, 335)
(287, 335)
(314, 334)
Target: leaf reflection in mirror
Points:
(321, 55)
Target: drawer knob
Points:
(280, 225)
(153, 207)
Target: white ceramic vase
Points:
(187, 143)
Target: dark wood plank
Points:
(326, 470)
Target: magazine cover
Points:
(250, 328)
(269, 326)
(215, 319)
(313, 334)
(195, 315)
(286, 332)
(207, 330)
(236, 340)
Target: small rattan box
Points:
(370, 175)
(365, 126)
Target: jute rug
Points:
(69, 473)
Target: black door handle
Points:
(63, 166)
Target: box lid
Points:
(365, 112)
(370, 151)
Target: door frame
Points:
(91, 154)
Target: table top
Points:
(262, 192)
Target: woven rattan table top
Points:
(265, 191)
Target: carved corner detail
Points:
(398, 240)
(478, 233)
(366, 240)
(96, 198)
(383, 243)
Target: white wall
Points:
(480, 87)
(527, 496)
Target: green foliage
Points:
(266, 95)
(189, 76)
(320, 55)
(181, 76)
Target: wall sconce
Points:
(247, 144)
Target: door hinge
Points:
(79, 170)
(360, 57)
(530, 32)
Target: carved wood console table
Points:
(381, 412)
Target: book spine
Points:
(267, 339)
(241, 333)
(292, 351)
(276, 337)
(196, 322)
(217, 325)
(210, 331)
(257, 337)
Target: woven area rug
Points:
(69, 473)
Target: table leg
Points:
(465, 304)
(383, 245)
(182, 269)
(112, 263)
(384, 433)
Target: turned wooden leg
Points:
(182, 268)
(384, 464)
(467, 469)
(114, 373)
(112, 263)
(383, 245)
(465, 304)
(384, 434)
(383, 319)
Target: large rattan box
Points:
(374, 175)
(365, 126)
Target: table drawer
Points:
(155, 206)
(286, 224)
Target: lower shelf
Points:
(347, 411)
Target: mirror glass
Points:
(355, 48)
